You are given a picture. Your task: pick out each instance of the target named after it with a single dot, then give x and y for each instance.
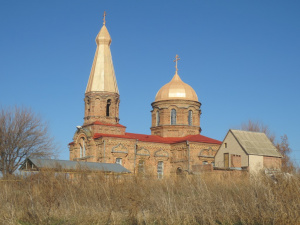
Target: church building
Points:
(175, 144)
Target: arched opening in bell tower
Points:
(107, 107)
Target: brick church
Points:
(175, 144)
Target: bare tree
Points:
(22, 134)
(285, 150)
(282, 146)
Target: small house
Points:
(247, 150)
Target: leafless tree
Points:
(22, 134)
(282, 146)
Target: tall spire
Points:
(102, 77)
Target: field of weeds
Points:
(203, 199)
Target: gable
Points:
(231, 146)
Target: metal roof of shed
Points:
(74, 165)
(255, 143)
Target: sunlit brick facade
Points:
(175, 144)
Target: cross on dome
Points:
(176, 60)
(104, 14)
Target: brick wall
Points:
(272, 162)
(182, 127)
(173, 156)
(236, 161)
(96, 106)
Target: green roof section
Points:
(255, 143)
(52, 164)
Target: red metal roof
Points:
(105, 124)
(159, 139)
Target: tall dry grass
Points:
(203, 199)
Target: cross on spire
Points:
(104, 14)
(176, 60)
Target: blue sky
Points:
(241, 57)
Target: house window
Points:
(213, 164)
(108, 106)
(82, 147)
(225, 145)
(157, 118)
(141, 167)
(190, 118)
(160, 169)
(119, 161)
(173, 117)
(204, 162)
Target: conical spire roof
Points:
(102, 76)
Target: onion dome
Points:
(176, 89)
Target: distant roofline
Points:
(158, 139)
(104, 124)
(68, 165)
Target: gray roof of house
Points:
(255, 143)
(75, 165)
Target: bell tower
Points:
(102, 97)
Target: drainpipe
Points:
(135, 148)
(188, 146)
(104, 151)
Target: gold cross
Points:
(176, 60)
(104, 14)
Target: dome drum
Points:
(175, 117)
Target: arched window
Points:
(157, 118)
(82, 147)
(119, 161)
(141, 167)
(160, 169)
(107, 107)
(190, 119)
(173, 117)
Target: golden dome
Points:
(176, 89)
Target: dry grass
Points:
(205, 199)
